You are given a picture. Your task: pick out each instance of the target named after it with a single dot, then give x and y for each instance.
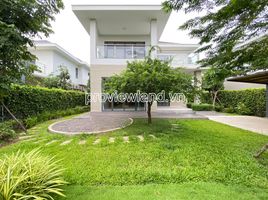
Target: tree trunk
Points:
(23, 128)
(262, 150)
(149, 112)
(215, 98)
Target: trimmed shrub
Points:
(202, 107)
(206, 97)
(242, 109)
(229, 110)
(189, 105)
(249, 101)
(6, 132)
(26, 101)
(30, 176)
(219, 108)
(32, 121)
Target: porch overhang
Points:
(122, 19)
(258, 78)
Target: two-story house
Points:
(51, 56)
(121, 33)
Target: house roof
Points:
(122, 19)
(46, 45)
(260, 77)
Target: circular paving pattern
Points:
(90, 124)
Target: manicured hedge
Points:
(26, 101)
(253, 99)
(202, 107)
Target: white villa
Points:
(121, 33)
(51, 56)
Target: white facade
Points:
(50, 57)
(121, 33)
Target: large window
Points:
(124, 50)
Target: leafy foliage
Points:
(64, 77)
(19, 22)
(213, 80)
(225, 25)
(6, 132)
(150, 76)
(202, 107)
(250, 101)
(26, 101)
(51, 82)
(30, 176)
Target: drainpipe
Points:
(267, 100)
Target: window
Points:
(76, 73)
(124, 50)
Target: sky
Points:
(70, 34)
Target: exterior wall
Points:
(44, 61)
(228, 85)
(49, 62)
(59, 60)
(97, 72)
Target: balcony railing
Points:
(121, 51)
(137, 51)
(191, 59)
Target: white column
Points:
(154, 35)
(93, 40)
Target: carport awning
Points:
(258, 77)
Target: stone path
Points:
(66, 142)
(82, 142)
(97, 141)
(108, 121)
(111, 140)
(51, 142)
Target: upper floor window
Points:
(124, 50)
(76, 73)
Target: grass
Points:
(189, 159)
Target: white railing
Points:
(191, 59)
(122, 51)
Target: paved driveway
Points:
(255, 124)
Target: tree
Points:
(229, 32)
(51, 81)
(149, 76)
(19, 22)
(64, 77)
(213, 80)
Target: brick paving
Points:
(104, 121)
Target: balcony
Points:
(178, 61)
(122, 51)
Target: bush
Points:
(219, 108)
(229, 110)
(202, 107)
(27, 101)
(6, 132)
(32, 121)
(30, 176)
(189, 105)
(249, 101)
(242, 109)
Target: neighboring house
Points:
(51, 56)
(121, 33)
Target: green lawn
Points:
(189, 159)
